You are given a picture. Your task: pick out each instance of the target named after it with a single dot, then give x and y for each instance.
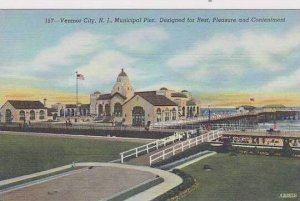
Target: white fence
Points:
(171, 151)
(154, 145)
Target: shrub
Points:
(188, 181)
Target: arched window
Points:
(167, 115)
(173, 114)
(68, 112)
(72, 112)
(42, 114)
(8, 116)
(183, 111)
(107, 109)
(118, 110)
(22, 115)
(187, 111)
(138, 116)
(61, 113)
(158, 115)
(32, 115)
(100, 110)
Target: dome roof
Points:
(184, 91)
(163, 88)
(122, 73)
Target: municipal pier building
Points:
(125, 105)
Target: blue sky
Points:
(221, 63)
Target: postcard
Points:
(149, 104)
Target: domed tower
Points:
(123, 86)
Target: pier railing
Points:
(199, 119)
(180, 147)
(135, 152)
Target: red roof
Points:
(109, 96)
(156, 100)
(21, 104)
(178, 95)
(104, 97)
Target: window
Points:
(158, 115)
(22, 115)
(118, 110)
(42, 114)
(167, 115)
(32, 115)
(173, 114)
(183, 111)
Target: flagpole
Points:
(76, 93)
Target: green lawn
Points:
(245, 178)
(21, 155)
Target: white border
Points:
(150, 4)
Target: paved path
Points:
(100, 182)
(97, 183)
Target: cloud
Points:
(69, 49)
(144, 40)
(105, 66)
(168, 85)
(283, 83)
(258, 50)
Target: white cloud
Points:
(238, 49)
(105, 66)
(143, 39)
(69, 48)
(168, 85)
(282, 83)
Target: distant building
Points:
(23, 111)
(71, 110)
(245, 108)
(273, 107)
(125, 105)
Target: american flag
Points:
(80, 77)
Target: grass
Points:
(21, 155)
(245, 178)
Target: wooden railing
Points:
(171, 151)
(135, 152)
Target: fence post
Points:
(157, 144)
(150, 160)
(189, 143)
(122, 159)
(181, 146)
(163, 155)
(147, 148)
(136, 152)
